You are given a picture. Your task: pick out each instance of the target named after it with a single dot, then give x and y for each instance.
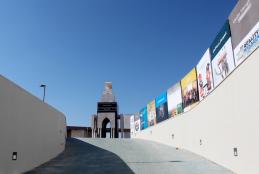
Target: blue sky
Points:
(141, 46)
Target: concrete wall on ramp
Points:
(227, 119)
(33, 129)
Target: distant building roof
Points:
(77, 128)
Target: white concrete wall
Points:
(226, 119)
(33, 129)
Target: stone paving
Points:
(126, 156)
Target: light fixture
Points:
(14, 156)
(235, 152)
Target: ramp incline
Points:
(126, 156)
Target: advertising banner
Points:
(132, 125)
(204, 75)
(174, 100)
(190, 90)
(161, 108)
(222, 55)
(137, 122)
(244, 28)
(151, 112)
(143, 118)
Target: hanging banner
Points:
(174, 99)
(222, 55)
(190, 90)
(137, 122)
(244, 28)
(161, 108)
(143, 118)
(132, 125)
(151, 112)
(204, 75)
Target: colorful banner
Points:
(244, 28)
(132, 125)
(137, 122)
(161, 108)
(143, 118)
(174, 100)
(151, 112)
(204, 75)
(190, 90)
(222, 55)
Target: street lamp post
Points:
(44, 91)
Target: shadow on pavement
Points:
(80, 157)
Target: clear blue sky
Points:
(141, 46)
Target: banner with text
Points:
(222, 55)
(143, 118)
(244, 28)
(161, 107)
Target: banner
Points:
(137, 122)
(222, 55)
(204, 75)
(161, 107)
(244, 28)
(132, 125)
(151, 112)
(143, 118)
(174, 100)
(190, 90)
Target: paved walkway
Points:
(126, 156)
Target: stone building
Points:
(107, 122)
(77, 131)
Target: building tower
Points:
(105, 123)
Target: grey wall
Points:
(228, 118)
(33, 129)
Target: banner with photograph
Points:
(174, 100)
(161, 107)
(222, 55)
(151, 112)
(244, 24)
(132, 125)
(190, 90)
(143, 118)
(204, 75)
(137, 122)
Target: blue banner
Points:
(161, 107)
(143, 118)
(220, 40)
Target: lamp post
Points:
(44, 91)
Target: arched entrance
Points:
(106, 128)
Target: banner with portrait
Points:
(222, 55)
(137, 122)
(151, 112)
(190, 90)
(204, 75)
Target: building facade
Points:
(81, 132)
(107, 122)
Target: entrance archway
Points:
(106, 128)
